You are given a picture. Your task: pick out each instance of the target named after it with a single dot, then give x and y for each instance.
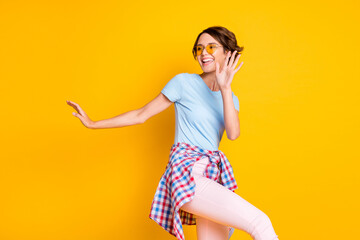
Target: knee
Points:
(261, 219)
(259, 226)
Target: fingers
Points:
(227, 59)
(232, 59)
(71, 103)
(233, 62)
(236, 61)
(237, 69)
(76, 107)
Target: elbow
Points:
(234, 137)
(140, 119)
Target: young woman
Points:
(197, 187)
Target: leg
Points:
(220, 205)
(209, 230)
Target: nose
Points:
(203, 52)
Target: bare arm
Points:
(133, 117)
(231, 115)
(137, 116)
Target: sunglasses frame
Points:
(217, 46)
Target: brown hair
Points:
(224, 37)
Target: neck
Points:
(210, 80)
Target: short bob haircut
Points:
(225, 37)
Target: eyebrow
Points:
(208, 43)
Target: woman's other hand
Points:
(81, 114)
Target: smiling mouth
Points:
(207, 62)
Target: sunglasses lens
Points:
(199, 50)
(211, 48)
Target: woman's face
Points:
(217, 56)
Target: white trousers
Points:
(216, 208)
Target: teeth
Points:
(207, 60)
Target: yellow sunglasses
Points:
(210, 48)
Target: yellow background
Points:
(296, 158)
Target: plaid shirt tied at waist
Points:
(177, 186)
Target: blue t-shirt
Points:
(199, 115)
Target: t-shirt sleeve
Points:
(173, 89)
(236, 102)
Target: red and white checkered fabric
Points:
(177, 186)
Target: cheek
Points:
(220, 59)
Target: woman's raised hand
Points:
(225, 76)
(81, 114)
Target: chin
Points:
(208, 70)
